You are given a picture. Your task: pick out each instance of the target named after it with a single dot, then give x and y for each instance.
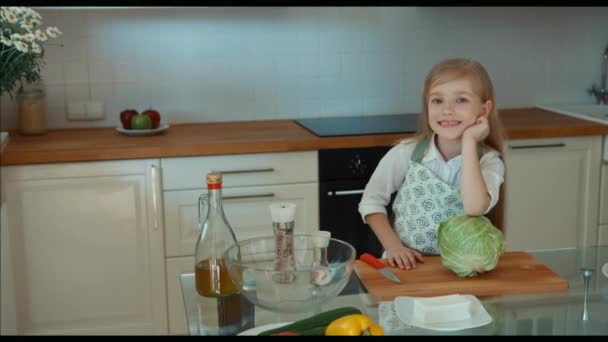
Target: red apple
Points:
(126, 116)
(154, 116)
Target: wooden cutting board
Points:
(516, 272)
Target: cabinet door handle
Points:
(227, 172)
(345, 192)
(270, 194)
(536, 146)
(155, 195)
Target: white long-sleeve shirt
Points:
(392, 169)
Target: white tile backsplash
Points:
(124, 71)
(74, 49)
(77, 92)
(385, 105)
(344, 106)
(329, 64)
(75, 71)
(224, 64)
(52, 72)
(100, 46)
(100, 70)
(56, 100)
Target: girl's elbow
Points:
(475, 210)
(476, 206)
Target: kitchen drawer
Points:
(247, 212)
(602, 239)
(241, 169)
(604, 195)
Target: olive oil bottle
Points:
(222, 309)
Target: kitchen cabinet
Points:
(8, 324)
(87, 247)
(549, 317)
(602, 238)
(178, 323)
(604, 194)
(552, 191)
(535, 320)
(602, 235)
(251, 182)
(246, 208)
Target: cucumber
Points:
(313, 324)
(318, 331)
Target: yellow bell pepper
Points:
(353, 325)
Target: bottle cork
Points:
(214, 178)
(214, 181)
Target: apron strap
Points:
(420, 150)
(423, 145)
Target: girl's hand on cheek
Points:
(478, 131)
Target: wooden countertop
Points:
(200, 139)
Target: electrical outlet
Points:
(95, 111)
(76, 111)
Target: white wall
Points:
(227, 64)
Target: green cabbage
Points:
(470, 245)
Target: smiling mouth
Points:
(450, 123)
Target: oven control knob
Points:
(358, 166)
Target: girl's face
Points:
(453, 107)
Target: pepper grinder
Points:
(283, 225)
(320, 272)
(587, 273)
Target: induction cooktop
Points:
(361, 125)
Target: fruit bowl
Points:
(142, 132)
(322, 270)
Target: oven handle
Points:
(345, 192)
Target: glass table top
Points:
(541, 313)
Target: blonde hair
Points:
(459, 68)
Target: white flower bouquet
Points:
(21, 51)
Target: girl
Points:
(451, 167)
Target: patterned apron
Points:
(423, 201)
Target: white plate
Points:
(404, 306)
(261, 328)
(142, 132)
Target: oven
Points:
(343, 174)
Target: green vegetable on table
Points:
(470, 245)
(314, 325)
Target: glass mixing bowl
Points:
(323, 266)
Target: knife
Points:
(375, 263)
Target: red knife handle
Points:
(371, 260)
